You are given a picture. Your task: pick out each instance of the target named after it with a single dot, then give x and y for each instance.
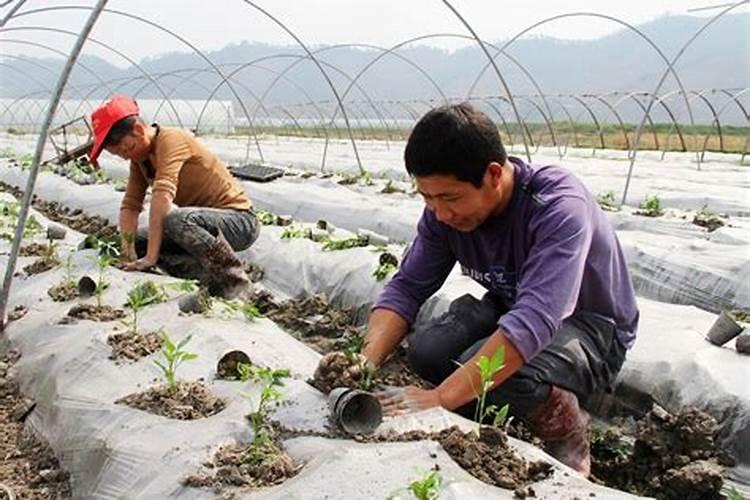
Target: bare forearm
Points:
(160, 206)
(463, 385)
(385, 330)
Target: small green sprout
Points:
(173, 356)
(734, 494)
(265, 217)
(607, 201)
(390, 188)
(488, 368)
(426, 488)
(651, 207)
(140, 296)
(270, 395)
(103, 260)
(330, 244)
(292, 232)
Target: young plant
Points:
(270, 395)
(330, 244)
(183, 286)
(387, 264)
(354, 344)
(106, 256)
(607, 201)
(651, 207)
(390, 188)
(140, 296)
(265, 217)
(292, 232)
(488, 368)
(734, 494)
(426, 488)
(173, 356)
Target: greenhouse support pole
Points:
(41, 140)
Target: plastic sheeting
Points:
(113, 451)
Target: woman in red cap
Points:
(198, 214)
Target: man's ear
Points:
(139, 128)
(495, 173)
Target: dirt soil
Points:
(33, 250)
(75, 219)
(709, 221)
(130, 346)
(187, 401)
(230, 466)
(18, 312)
(667, 457)
(40, 265)
(27, 466)
(226, 368)
(96, 313)
(64, 291)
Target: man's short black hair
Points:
(455, 139)
(120, 130)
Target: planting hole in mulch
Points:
(235, 465)
(63, 292)
(18, 312)
(227, 367)
(662, 455)
(186, 401)
(40, 265)
(96, 313)
(27, 466)
(34, 250)
(133, 346)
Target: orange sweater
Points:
(186, 169)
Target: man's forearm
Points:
(385, 330)
(463, 385)
(161, 203)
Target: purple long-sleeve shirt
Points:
(550, 254)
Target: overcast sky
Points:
(213, 24)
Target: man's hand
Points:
(400, 400)
(143, 264)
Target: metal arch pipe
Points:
(661, 101)
(13, 104)
(43, 68)
(658, 87)
(614, 112)
(322, 71)
(488, 101)
(632, 96)
(56, 51)
(101, 44)
(571, 123)
(739, 104)
(299, 59)
(593, 117)
(174, 35)
(11, 13)
(544, 117)
(18, 100)
(723, 108)
(710, 106)
(670, 67)
(494, 66)
(34, 169)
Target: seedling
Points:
(183, 286)
(231, 307)
(142, 295)
(354, 344)
(427, 488)
(270, 395)
(390, 188)
(103, 260)
(651, 207)
(265, 217)
(173, 356)
(345, 243)
(607, 201)
(488, 368)
(244, 371)
(292, 232)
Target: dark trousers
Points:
(584, 356)
(189, 234)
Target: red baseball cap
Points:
(117, 108)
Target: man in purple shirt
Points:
(559, 301)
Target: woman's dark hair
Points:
(457, 140)
(120, 130)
